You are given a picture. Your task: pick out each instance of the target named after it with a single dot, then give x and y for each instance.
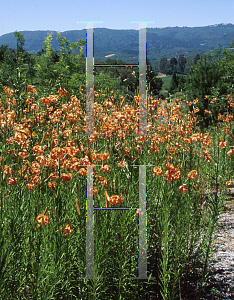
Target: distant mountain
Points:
(161, 42)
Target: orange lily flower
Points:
(192, 174)
(183, 188)
(157, 170)
(12, 180)
(42, 219)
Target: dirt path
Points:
(160, 75)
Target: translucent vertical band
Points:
(142, 263)
(89, 80)
(142, 256)
(142, 80)
(142, 243)
(89, 76)
(89, 227)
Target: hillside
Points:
(161, 42)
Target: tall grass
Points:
(44, 154)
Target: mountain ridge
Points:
(124, 43)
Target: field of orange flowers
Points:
(44, 157)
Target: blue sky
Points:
(63, 15)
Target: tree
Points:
(55, 56)
(46, 73)
(71, 65)
(181, 62)
(154, 84)
(196, 58)
(129, 78)
(205, 75)
(226, 62)
(7, 65)
(21, 57)
(181, 82)
(47, 46)
(3, 50)
(19, 43)
(174, 83)
(163, 64)
(173, 63)
(69, 59)
(104, 81)
(40, 52)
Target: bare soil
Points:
(160, 75)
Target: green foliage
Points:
(61, 68)
(46, 72)
(173, 64)
(3, 50)
(47, 44)
(20, 42)
(164, 65)
(210, 71)
(39, 262)
(104, 81)
(161, 42)
(71, 65)
(7, 65)
(154, 84)
(196, 58)
(168, 66)
(205, 75)
(16, 66)
(181, 63)
(174, 83)
(225, 58)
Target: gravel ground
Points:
(220, 283)
(221, 279)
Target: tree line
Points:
(208, 85)
(49, 69)
(210, 74)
